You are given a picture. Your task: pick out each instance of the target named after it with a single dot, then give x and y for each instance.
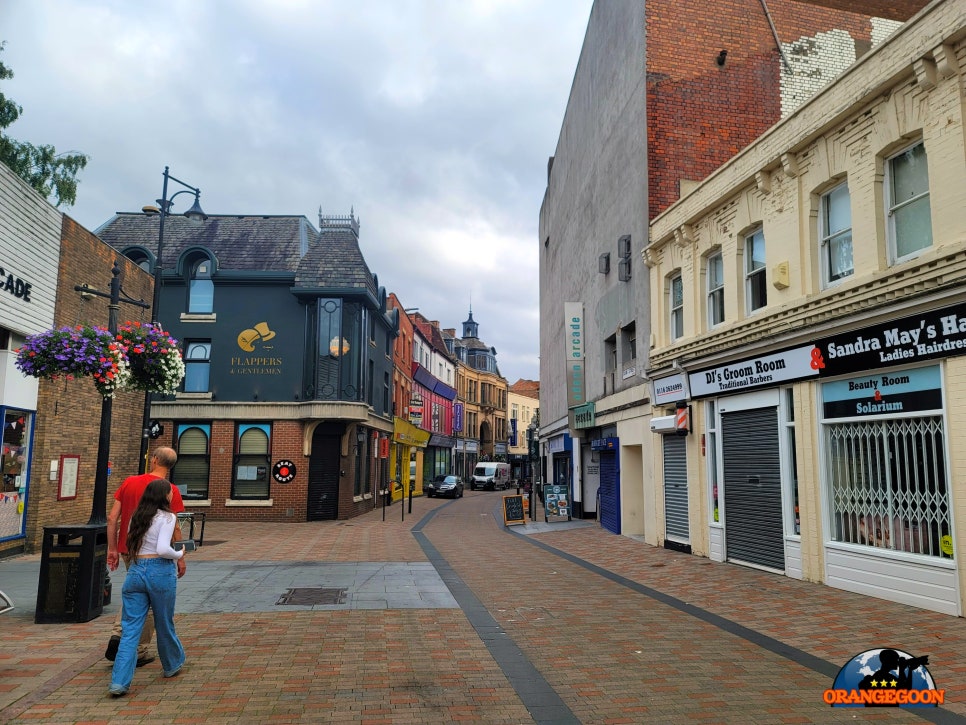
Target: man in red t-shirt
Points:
(126, 500)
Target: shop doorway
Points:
(751, 462)
(677, 529)
(323, 488)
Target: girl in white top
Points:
(151, 582)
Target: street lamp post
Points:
(88, 580)
(196, 216)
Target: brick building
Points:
(809, 311)
(285, 413)
(644, 122)
(51, 428)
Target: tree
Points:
(40, 166)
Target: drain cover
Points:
(309, 596)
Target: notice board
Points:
(513, 510)
(556, 501)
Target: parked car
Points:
(429, 487)
(451, 486)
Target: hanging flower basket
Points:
(154, 360)
(72, 352)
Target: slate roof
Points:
(335, 261)
(330, 259)
(240, 243)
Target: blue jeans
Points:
(149, 583)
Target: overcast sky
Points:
(432, 119)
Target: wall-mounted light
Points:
(338, 346)
(720, 58)
(85, 295)
(360, 435)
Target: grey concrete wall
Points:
(596, 192)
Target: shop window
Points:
(252, 462)
(711, 449)
(756, 293)
(888, 486)
(789, 419)
(715, 276)
(909, 223)
(201, 290)
(676, 307)
(835, 234)
(197, 366)
(190, 473)
(15, 461)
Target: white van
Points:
(491, 476)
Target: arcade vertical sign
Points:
(574, 342)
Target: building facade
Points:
(285, 413)
(809, 327)
(51, 427)
(523, 415)
(481, 404)
(644, 123)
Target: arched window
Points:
(140, 258)
(191, 470)
(201, 290)
(197, 366)
(252, 464)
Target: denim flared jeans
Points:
(150, 583)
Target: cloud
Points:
(432, 119)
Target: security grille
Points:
(676, 520)
(887, 482)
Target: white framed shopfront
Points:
(888, 511)
(29, 258)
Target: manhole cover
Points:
(309, 596)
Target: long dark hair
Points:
(154, 499)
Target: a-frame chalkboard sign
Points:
(513, 510)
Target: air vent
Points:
(624, 246)
(624, 270)
(603, 263)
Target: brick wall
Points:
(700, 113)
(69, 412)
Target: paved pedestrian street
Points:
(445, 615)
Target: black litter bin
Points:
(73, 572)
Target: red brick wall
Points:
(289, 500)
(701, 114)
(69, 413)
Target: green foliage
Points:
(40, 166)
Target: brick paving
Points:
(612, 654)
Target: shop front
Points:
(409, 442)
(560, 449)
(29, 255)
(873, 466)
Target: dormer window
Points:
(201, 290)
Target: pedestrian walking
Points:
(126, 500)
(151, 581)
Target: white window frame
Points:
(715, 294)
(675, 312)
(827, 237)
(751, 273)
(892, 208)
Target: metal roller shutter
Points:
(752, 488)
(610, 492)
(676, 525)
